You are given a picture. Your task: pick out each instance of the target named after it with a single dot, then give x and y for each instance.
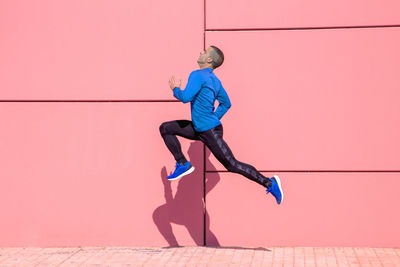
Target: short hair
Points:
(217, 57)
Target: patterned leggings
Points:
(212, 138)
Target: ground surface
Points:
(199, 256)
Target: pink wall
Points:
(313, 100)
(319, 209)
(318, 106)
(87, 174)
(293, 13)
(96, 49)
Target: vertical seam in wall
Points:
(204, 195)
(204, 146)
(204, 24)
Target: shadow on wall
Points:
(184, 207)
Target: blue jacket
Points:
(202, 89)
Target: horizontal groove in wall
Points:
(89, 100)
(305, 28)
(317, 171)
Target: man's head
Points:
(212, 57)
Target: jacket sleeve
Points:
(224, 103)
(192, 88)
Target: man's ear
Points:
(209, 60)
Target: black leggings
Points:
(212, 138)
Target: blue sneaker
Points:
(181, 170)
(276, 189)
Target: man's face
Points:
(204, 56)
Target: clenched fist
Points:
(173, 83)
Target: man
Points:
(202, 89)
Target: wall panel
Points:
(77, 174)
(237, 14)
(96, 49)
(312, 100)
(319, 209)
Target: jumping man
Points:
(202, 89)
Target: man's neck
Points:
(205, 66)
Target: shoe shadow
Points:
(187, 206)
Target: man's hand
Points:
(173, 83)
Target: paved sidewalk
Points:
(199, 256)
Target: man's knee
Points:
(163, 128)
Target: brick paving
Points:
(200, 256)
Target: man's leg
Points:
(170, 129)
(213, 140)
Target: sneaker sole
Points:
(279, 184)
(190, 170)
